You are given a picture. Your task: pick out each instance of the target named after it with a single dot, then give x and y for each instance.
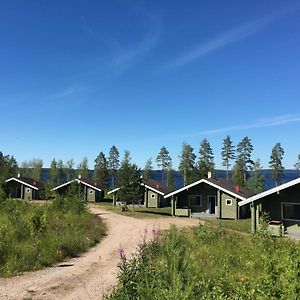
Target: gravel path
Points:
(94, 273)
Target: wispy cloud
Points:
(269, 122)
(234, 35)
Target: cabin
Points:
(153, 194)
(210, 197)
(282, 206)
(91, 190)
(25, 188)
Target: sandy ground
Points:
(94, 273)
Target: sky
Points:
(77, 77)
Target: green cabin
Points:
(24, 188)
(153, 194)
(282, 206)
(210, 197)
(91, 190)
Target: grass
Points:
(33, 237)
(242, 225)
(211, 263)
(138, 212)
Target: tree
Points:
(275, 163)
(53, 172)
(297, 164)
(147, 174)
(243, 162)
(187, 163)
(128, 180)
(228, 153)
(101, 170)
(61, 174)
(37, 165)
(256, 182)
(8, 167)
(206, 159)
(83, 168)
(113, 163)
(26, 168)
(170, 177)
(69, 171)
(163, 161)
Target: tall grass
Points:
(211, 263)
(32, 237)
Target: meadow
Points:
(37, 236)
(210, 262)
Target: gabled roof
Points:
(271, 191)
(156, 186)
(28, 181)
(151, 184)
(96, 185)
(223, 185)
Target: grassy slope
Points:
(212, 263)
(32, 237)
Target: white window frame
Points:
(189, 200)
(290, 203)
(91, 191)
(231, 202)
(28, 190)
(152, 196)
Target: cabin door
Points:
(212, 204)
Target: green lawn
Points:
(242, 225)
(137, 212)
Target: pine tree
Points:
(83, 169)
(228, 153)
(101, 170)
(113, 163)
(128, 180)
(256, 182)
(53, 172)
(206, 159)
(297, 164)
(243, 162)
(275, 163)
(147, 173)
(8, 167)
(170, 177)
(163, 161)
(187, 163)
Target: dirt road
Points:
(94, 273)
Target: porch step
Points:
(203, 216)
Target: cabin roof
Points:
(96, 185)
(28, 181)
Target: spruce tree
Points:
(243, 162)
(61, 172)
(113, 163)
(163, 161)
(101, 170)
(228, 154)
(206, 159)
(187, 163)
(256, 182)
(128, 180)
(53, 172)
(8, 167)
(147, 173)
(37, 165)
(275, 163)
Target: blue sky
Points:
(77, 77)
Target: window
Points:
(28, 190)
(152, 196)
(91, 192)
(290, 211)
(229, 202)
(195, 200)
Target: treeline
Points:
(193, 165)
